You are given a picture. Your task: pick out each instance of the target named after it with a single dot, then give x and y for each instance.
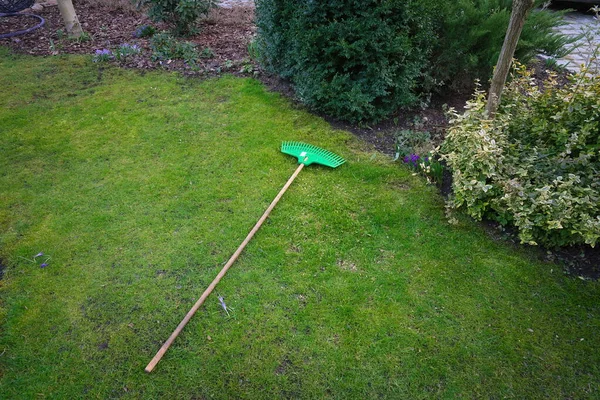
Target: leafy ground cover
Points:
(137, 188)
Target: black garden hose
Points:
(24, 31)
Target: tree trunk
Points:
(520, 9)
(69, 16)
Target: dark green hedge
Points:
(355, 60)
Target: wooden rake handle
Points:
(221, 274)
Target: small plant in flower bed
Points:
(125, 50)
(166, 47)
(428, 165)
(103, 55)
(432, 168)
(253, 50)
(207, 52)
(144, 31)
(181, 14)
(536, 164)
(412, 141)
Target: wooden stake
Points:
(214, 283)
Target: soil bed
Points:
(226, 32)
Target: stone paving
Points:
(588, 26)
(236, 3)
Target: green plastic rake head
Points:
(308, 154)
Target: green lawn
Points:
(140, 186)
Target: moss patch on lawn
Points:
(138, 187)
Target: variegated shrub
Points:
(536, 165)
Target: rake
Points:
(307, 154)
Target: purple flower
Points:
(102, 55)
(43, 265)
(412, 159)
(38, 255)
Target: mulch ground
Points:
(227, 32)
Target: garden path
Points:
(578, 23)
(236, 3)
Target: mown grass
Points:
(140, 186)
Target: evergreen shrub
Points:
(471, 33)
(165, 47)
(357, 60)
(181, 14)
